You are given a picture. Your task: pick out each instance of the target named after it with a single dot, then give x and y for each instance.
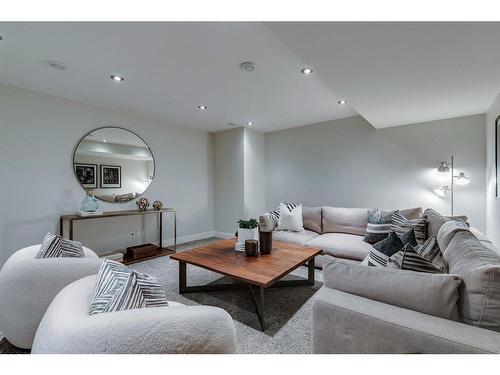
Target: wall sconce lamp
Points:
(459, 179)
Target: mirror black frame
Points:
(112, 127)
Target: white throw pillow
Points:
(290, 218)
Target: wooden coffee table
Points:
(263, 271)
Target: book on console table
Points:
(85, 213)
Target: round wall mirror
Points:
(116, 164)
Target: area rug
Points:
(288, 311)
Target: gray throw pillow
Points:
(389, 245)
(121, 288)
(378, 228)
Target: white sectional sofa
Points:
(363, 309)
(338, 231)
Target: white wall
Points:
(239, 177)
(38, 135)
(348, 163)
(492, 202)
(228, 179)
(255, 173)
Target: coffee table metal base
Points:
(258, 302)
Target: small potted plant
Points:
(247, 230)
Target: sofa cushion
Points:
(311, 216)
(342, 245)
(299, 238)
(409, 213)
(434, 294)
(435, 220)
(345, 220)
(479, 268)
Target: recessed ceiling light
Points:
(202, 107)
(104, 140)
(249, 123)
(117, 78)
(248, 66)
(341, 102)
(306, 70)
(57, 65)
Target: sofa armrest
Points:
(346, 323)
(434, 294)
(267, 223)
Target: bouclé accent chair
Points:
(68, 328)
(28, 286)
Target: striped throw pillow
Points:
(430, 250)
(402, 225)
(121, 288)
(54, 246)
(378, 227)
(409, 259)
(275, 214)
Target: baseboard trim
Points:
(222, 235)
(196, 237)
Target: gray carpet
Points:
(288, 310)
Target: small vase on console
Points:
(89, 202)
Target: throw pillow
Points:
(409, 238)
(378, 259)
(401, 225)
(378, 228)
(409, 259)
(275, 214)
(121, 288)
(290, 218)
(430, 250)
(54, 246)
(389, 245)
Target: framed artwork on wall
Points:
(111, 176)
(497, 156)
(87, 175)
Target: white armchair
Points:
(67, 327)
(28, 286)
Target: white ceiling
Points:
(403, 73)
(391, 73)
(170, 69)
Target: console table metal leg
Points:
(71, 230)
(175, 231)
(160, 230)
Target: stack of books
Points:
(86, 213)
